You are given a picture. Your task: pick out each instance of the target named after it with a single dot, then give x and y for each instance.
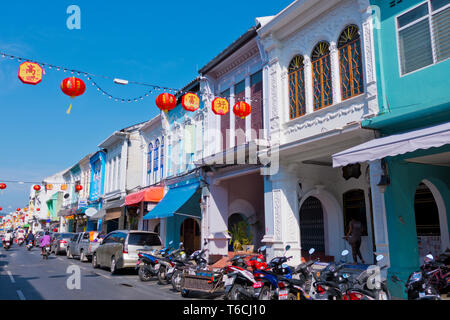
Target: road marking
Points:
(10, 276)
(20, 294)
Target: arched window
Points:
(149, 163)
(297, 101)
(155, 161)
(162, 158)
(350, 62)
(321, 68)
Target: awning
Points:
(182, 200)
(394, 145)
(65, 212)
(112, 214)
(108, 205)
(153, 194)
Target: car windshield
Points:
(144, 239)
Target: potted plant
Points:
(242, 237)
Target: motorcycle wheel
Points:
(176, 280)
(265, 294)
(144, 274)
(162, 275)
(234, 293)
(184, 293)
(291, 296)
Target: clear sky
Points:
(157, 42)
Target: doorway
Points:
(427, 222)
(312, 231)
(190, 235)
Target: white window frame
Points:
(429, 16)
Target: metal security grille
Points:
(311, 225)
(321, 68)
(350, 63)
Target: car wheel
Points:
(94, 261)
(113, 266)
(291, 296)
(82, 256)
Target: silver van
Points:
(119, 249)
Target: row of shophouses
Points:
(350, 117)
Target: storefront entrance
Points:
(312, 233)
(427, 222)
(190, 235)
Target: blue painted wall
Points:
(407, 102)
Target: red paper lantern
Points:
(190, 102)
(1, 208)
(73, 87)
(2, 186)
(78, 187)
(18, 209)
(220, 106)
(37, 187)
(49, 187)
(38, 209)
(242, 109)
(166, 102)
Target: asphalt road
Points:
(24, 275)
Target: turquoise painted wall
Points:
(400, 216)
(173, 226)
(412, 93)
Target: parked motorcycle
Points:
(437, 272)
(148, 264)
(238, 280)
(328, 283)
(196, 262)
(300, 288)
(364, 286)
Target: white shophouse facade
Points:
(308, 203)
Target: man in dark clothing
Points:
(30, 237)
(354, 238)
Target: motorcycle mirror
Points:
(287, 247)
(170, 243)
(344, 253)
(430, 256)
(379, 257)
(263, 248)
(181, 244)
(311, 251)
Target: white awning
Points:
(394, 145)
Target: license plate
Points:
(157, 266)
(229, 281)
(283, 294)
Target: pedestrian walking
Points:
(354, 238)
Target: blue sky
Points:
(157, 42)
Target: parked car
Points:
(60, 241)
(119, 249)
(38, 236)
(81, 246)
